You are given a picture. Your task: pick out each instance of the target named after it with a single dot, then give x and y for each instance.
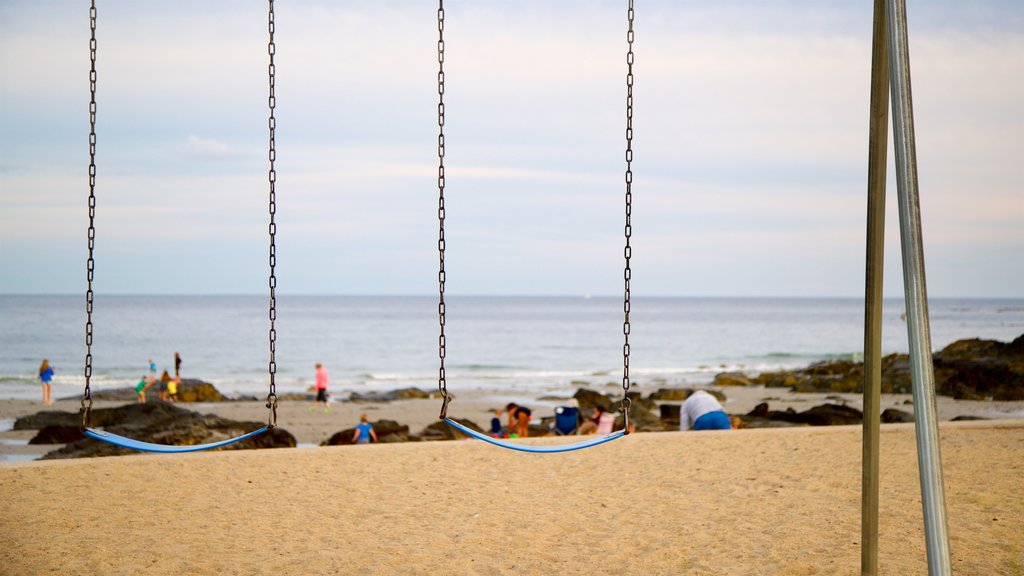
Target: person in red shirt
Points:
(321, 387)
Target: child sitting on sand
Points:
(496, 425)
(364, 431)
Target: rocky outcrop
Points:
(978, 369)
(442, 431)
(57, 435)
(972, 369)
(190, 390)
(893, 416)
(159, 423)
(588, 399)
(824, 415)
(731, 379)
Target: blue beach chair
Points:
(566, 420)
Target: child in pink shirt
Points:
(321, 387)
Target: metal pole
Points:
(929, 460)
(877, 156)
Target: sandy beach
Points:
(771, 501)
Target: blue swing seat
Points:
(132, 444)
(536, 449)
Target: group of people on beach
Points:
(168, 386)
(700, 411)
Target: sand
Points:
(771, 501)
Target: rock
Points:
(190, 390)
(971, 369)
(45, 418)
(588, 399)
(442, 431)
(57, 435)
(402, 394)
(681, 394)
(964, 417)
(387, 431)
(892, 415)
(759, 411)
(830, 415)
(824, 415)
(671, 394)
(978, 369)
(670, 414)
(731, 379)
(164, 423)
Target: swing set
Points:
(890, 81)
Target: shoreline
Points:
(310, 428)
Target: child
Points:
(518, 420)
(45, 377)
(140, 389)
(172, 388)
(496, 424)
(364, 431)
(164, 379)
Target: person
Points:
(45, 377)
(701, 411)
(177, 366)
(518, 420)
(152, 371)
(172, 388)
(321, 387)
(164, 388)
(140, 388)
(601, 422)
(364, 433)
(496, 425)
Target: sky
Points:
(750, 147)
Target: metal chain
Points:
(86, 409)
(442, 384)
(272, 228)
(627, 251)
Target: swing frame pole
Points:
(922, 375)
(877, 155)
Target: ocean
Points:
(539, 345)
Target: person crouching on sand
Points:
(518, 420)
(702, 412)
(364, 433)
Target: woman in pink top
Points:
(321, 387)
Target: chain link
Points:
(272, 228)
(442, 384)
(86, 408)
(627, 251)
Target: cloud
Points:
(750, 143)
(207, 148)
